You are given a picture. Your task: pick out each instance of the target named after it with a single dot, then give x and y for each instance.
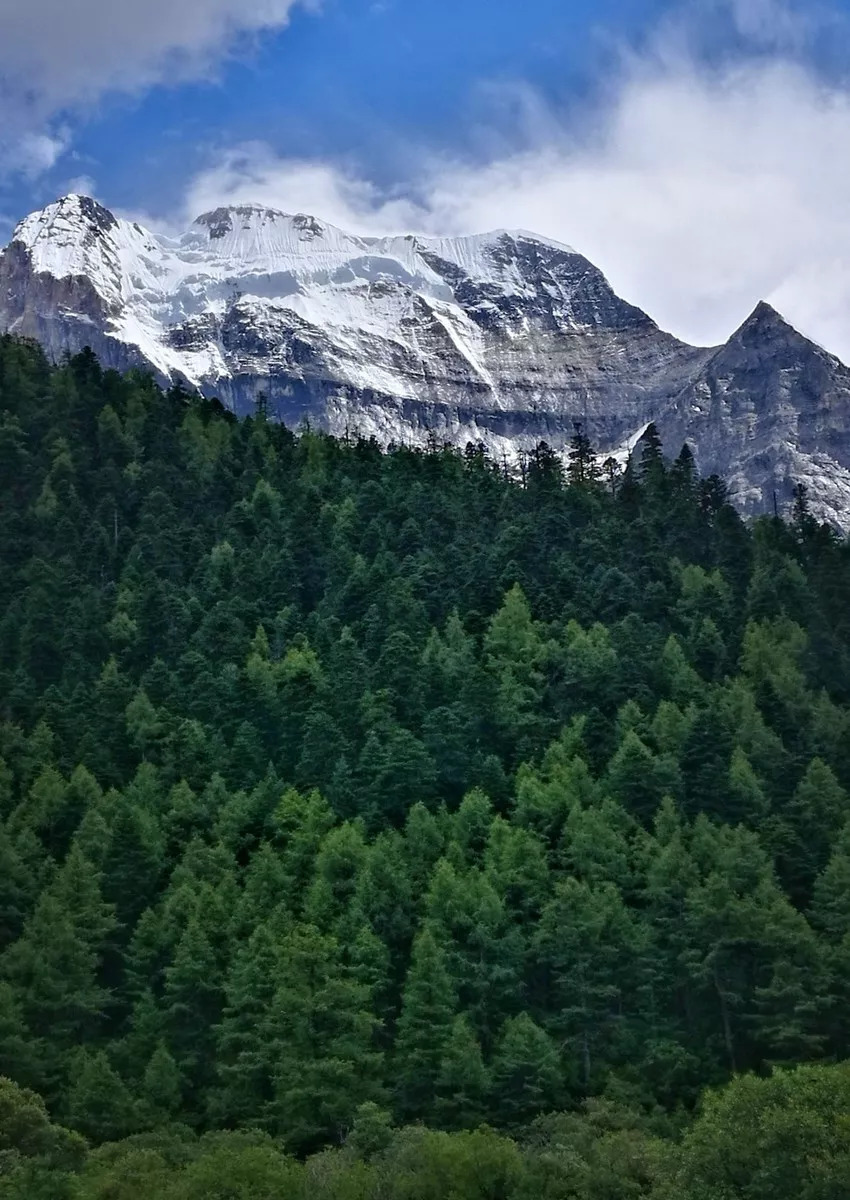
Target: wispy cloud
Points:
(31, 153)
(777, 24)
(253, 173)
(698, 188)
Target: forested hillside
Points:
(344, 790)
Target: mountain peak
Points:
(765, 314)
(69, 213)
(221, 221)
(764, 324)
(765, 327)
(254, 232)
(527, 235)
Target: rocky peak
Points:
(73, 218)
(94, 214)
(253, 233)
(767, 344)
(222, 221)
(82, 209)
(764, 324)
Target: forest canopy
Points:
(399, 816)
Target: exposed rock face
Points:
(768, 410)
(505, 338)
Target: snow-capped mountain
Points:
(505, 337)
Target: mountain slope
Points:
(504, 337)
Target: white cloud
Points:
(81, 185)
(777, 24)
(57, 55)
(56, 52)
(254, 174)
(31, 153)
(699, 191)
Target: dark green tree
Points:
(424, 1028)
(526, 1073)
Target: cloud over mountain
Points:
(698, 188)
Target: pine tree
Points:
(18, 889)
(527, 1076)
(583, 466)
(815, 815)
(463, 1082)
(635, 779)
(243, 1058)
(748, 802)
(483, 951)
(831, 901)
(593, 948)
(322, 1038)
(134, 862)
(162, 1086)
(372, 1131)
(192, 1004)
(99, 1104)
(144, 1030)
(652, 469)
(515, 657)
(22, 1057)
(55, 964)
(704, 762)
(424, 1028)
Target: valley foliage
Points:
(381, 824)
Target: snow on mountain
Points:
(504, 337)
(261, 259)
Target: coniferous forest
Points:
(397, 825)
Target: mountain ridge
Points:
(504, 338)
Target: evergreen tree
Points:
(527, 1077)
(162, 1085)
(244, 1063)
(635, 778)
(424, 1028)
(652, 467)
(583, 465)
(592, 947)
(463, 1082)
(55, 964)
(192, 1003)
(321, 1035)
(99, 1104)
(815, 815)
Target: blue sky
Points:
(695, 149)
(367, 80)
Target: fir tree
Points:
(463, 1081)
(424, 1028)
(527, 1076)
(100, 1105)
